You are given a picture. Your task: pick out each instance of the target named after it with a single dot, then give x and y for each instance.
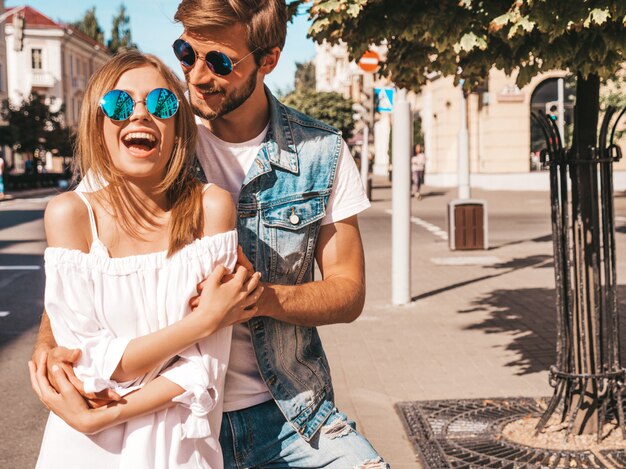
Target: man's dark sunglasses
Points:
(218, 62)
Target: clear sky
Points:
(153, 30)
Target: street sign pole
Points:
(560, 122)
(401, 202)
(369, 63)
(365, 156)
(463, 151)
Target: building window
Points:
(36, 59)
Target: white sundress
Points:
(98, 304)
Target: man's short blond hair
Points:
(264, 20)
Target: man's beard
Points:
(229, 103)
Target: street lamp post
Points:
(401, 202)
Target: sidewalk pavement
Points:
(482, 323)
(28, 193)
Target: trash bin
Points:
(467, 224)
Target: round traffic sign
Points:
(369, 61)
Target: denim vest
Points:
(281, 205)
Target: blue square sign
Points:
(383, 99)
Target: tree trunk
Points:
(584, 354)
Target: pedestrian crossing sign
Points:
(383, 99)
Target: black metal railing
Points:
(588, 372)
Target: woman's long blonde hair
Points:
(184, 191)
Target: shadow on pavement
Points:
(538, 261)
(528, 315)
(539, 239)
(13, 242)
(12, 218)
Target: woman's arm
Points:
(225, 293)
(68, 404)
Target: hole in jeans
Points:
(377, 463)
(337, 429)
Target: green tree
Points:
(32, 124)
(121, 37)
(331, 108)
(90, 26)
(614, 95)
(305, 76)
(466, 39)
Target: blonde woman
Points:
(122, 262)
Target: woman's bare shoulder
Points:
(219, 210)
(66, 221)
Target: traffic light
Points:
(18, 31)
(552, 110)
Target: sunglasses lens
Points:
(117, 105)
(184, 52)
(219, 63)
(162, 103)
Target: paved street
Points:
(481, 323)
(22, 242)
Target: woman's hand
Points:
(226, 299)
(65, 359)
(67, 402)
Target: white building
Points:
(52, 59)
(3, 57)
(503, 144)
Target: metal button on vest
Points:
(294, 219)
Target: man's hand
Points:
(242, 261)
(66, 402)
(226, 299)
(64, 359)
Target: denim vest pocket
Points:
(292, 227)
(296, 214)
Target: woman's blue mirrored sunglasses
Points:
(118, 105)
(218, 62)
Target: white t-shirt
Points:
(226, 164)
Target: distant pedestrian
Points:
(1, 179)
(418, 168)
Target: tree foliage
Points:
(32, 124)
(466, 38)
(121, 37)
(90, 26)
(331, 108)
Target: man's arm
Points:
(338, 297)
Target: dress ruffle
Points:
(200, 248)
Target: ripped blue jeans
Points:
(260, 437)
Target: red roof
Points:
(85, 37)
(35, 19)
(32, 17)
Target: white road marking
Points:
(20, 267)
(434, 229)
(4, 314)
